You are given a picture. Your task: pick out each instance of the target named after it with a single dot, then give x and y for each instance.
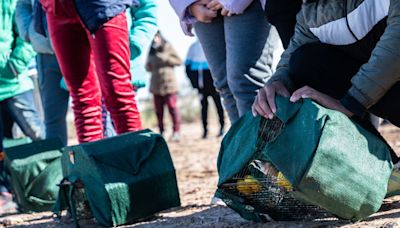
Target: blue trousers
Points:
(54, 98)
(21, 110)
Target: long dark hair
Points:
(154, 48)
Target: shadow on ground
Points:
(215, 216)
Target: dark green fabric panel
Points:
(25, 150)
(35, 171)
(293, 149)
(350, 173)
(237, 147)
(89, 172)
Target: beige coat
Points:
(161, 65)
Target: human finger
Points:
(263, 102)
(224, 12)
(298, 93)
(214, 5)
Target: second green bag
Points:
(34, 172)
(122, 179)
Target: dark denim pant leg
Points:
(23, 111)
(250, 56)
(212, 39)
(54, 98)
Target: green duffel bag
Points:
(329, 160)
(34, 172)
(119, 180)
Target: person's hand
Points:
(264, 104)
(215, 5)
(200, 11)
(320, 98)
(226, 13)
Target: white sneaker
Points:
(217, 201)
(176, 137)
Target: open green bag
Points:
(34, 172)
(125, 178)
(331, 161)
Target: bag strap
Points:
(72, 206)
(66, 200)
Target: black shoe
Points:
(205, 134)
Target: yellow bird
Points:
(249, 185)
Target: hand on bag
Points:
(320, 98)
(200, 11)
(264, 104)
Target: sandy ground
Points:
(195, 162)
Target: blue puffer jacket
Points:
(94, 13)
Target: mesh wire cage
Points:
(259, 188)
(331, 162)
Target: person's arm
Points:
(21, 54)
(169, 56)
(302, 36)
(23, 15)
(381, 72)
(181, 9)
(144, 27)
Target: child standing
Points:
(161, 62)
(90, 40)
(199, 74)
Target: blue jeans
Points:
(239, 50)
(54, 98)
(22, 111)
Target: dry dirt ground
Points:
(195, 162)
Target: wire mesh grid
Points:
(261, 186)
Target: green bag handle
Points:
(72, 205)
(66, 200)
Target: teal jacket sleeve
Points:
(22, 53)
(144, 27)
